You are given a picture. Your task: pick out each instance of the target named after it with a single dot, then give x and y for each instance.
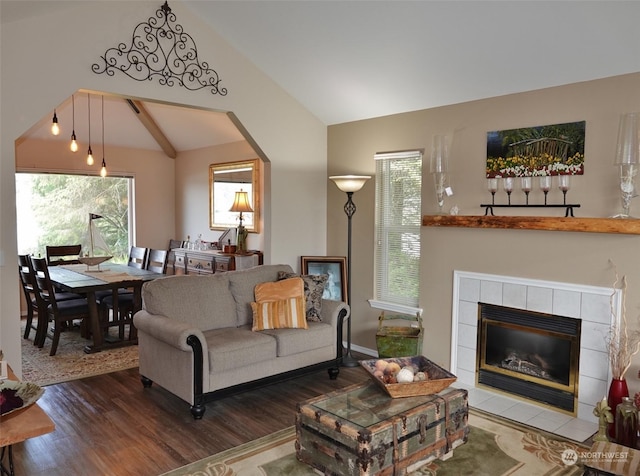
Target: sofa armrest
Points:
(334, 313)
(172, 332)
(331, 310)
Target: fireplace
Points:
(595, 307)
(532, 355)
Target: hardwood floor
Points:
(111, 425)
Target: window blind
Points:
(397, 227)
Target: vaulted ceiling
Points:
(357, 59)
(350, 60)
(137, 124)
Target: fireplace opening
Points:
(529, 354)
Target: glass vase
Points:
(628, 158)
(626, 421)
(617, 390)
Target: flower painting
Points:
(556, 149)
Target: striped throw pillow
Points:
(279, 305)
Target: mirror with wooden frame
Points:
(225, 179)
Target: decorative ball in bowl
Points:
(408, 376)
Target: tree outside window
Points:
(53, 209)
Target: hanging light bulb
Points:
(55, 129)
(90, 152)
(103, 170)
(74, 144)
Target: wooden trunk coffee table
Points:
(360, 430)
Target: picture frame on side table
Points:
(333, 266)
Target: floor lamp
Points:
(349, 184)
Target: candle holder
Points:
(439, 167)
(507, 184)
(564, 184)
(545, 186)
(628, 159)
(492, 185)
(525, 184)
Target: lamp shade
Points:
(350, 183)
(628, 149)
(241, 203)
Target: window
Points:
(397, 227)
(53, 209)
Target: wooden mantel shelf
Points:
(592, 225)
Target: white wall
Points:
(37, 73)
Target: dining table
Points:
(89, 280)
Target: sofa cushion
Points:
(313, 290)
(236, 347)
(294, 341)
(242, 284)
(203, 301)
(279, 305)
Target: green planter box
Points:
(399, 341)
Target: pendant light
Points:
(103, 170)
(90, 152)
(74, 143)
(55, 129)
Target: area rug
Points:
(70, 361)
(495, 447)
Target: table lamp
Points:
(241, 204)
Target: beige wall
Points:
(154, 184)
(558, 256)
(37, 75)
(192, 182)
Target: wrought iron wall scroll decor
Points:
(160, 48)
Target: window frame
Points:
(384, 298)
(130, 195)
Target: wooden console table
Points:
(19, 426)
(212, 261)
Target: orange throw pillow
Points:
(279, 305)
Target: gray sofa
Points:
(195, 337)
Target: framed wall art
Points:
(333, 266)
(556, 149)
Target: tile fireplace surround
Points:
(590, 304)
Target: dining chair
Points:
(138, 257)
(60, 312)
(27, 280)
(25, 270)
(175, 244)
(171, 255)
(64, 254)
(156, 262)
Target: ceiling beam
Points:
(147, 121)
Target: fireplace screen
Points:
(529, 354)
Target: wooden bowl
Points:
(438, 378)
